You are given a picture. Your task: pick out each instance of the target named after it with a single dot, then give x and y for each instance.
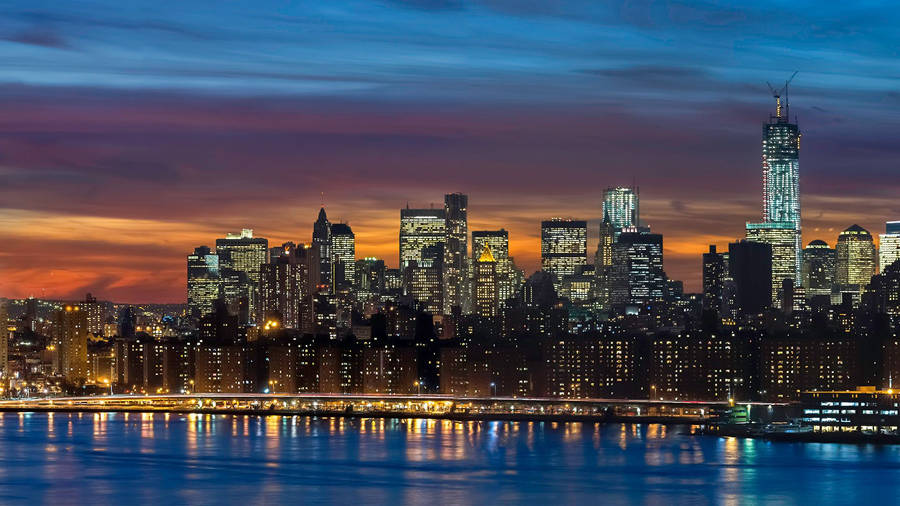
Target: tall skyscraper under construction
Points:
(781, 171)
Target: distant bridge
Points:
(401, 406)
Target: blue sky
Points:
(212, 116)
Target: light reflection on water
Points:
(220, 459)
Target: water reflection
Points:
(223, 459)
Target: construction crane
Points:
(777, 94)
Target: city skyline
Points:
(254, 144)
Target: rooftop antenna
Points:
(777, 94)
(323, 198)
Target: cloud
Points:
(38, 37)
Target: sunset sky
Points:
(132, 132)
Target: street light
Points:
(418, 385)
(493, 389)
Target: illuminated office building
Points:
(889, 245)
(783, 237)
(343, 250)
(817, 268)
(456, 250)
(423, 279)
(70, 343)
(855, 258)
(508, 276)
(420, 229)
(781, 176)
(486, 285)
(563, 247)
(621, 207)
(240, 257)
(203, 282)
(637, 276)
(603, 262)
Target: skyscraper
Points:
(781, 176)
(750, 268)
(817, 268)
(419, 229)
(508, 276)
(621, 207)
(343, 245)
(281, 290)
(637, 276)
(70, 343)
(603, 262)
(783, 237)
(321, 240)
(855, 258)
(456, 250)
(240, 258)
(486, 286)
(715, 270)
(203, 282)
(563, 247)
(889, 245)
(423, 279)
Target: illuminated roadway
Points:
(395, 406)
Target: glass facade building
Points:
(343, 254)
(889, 245)
(621, 207)
(781, 177)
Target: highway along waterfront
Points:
(400, 406)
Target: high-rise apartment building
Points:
(343, 250)
(783, 237)
(70, 343)
(621, 207)
(563, 247)
(456, 250)
(486, 285)
(889, 245)
(203, 282)
(94, 310)
(420, 229)
(855, 262)
(817, 268)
